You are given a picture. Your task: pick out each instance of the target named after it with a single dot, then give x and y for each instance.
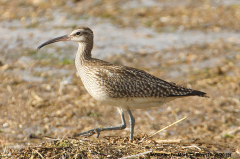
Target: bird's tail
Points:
(198, 93)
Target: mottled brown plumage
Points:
(120, 86)
(127, 82)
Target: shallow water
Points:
(109, 39)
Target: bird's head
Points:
(80, 35)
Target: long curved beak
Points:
(61, 38)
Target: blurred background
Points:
(193, 43)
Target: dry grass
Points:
(120, 147)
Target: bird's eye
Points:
(78, 33)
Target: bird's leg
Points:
(132, 123)
(98, 130)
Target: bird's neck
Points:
(83, 53)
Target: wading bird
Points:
(121, 86)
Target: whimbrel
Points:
(121, 86)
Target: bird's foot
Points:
(90, 132)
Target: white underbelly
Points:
(139, 103)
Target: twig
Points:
(168, 126)
(164, 128)
(192, 146)
(149, 116)
(30, 67)
(137, 155)
(39, 154)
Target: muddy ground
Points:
(43, 102)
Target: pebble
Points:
(5, 125)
